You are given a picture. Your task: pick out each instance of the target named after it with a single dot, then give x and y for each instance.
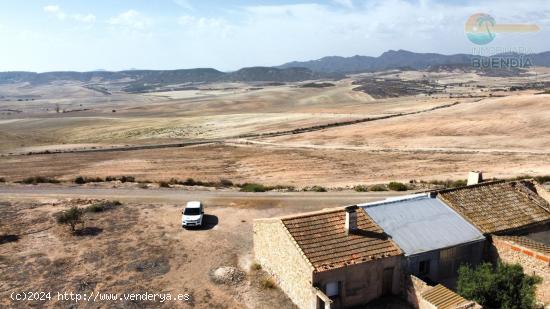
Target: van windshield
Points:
(192, 211)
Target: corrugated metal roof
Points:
(419, 223)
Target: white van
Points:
(192, 214)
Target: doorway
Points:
(387, 281)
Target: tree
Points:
(71, 217)
(505, 286)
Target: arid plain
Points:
(467, 121)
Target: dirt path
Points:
(214, 198)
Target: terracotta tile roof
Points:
(443, 298)
(498, 206)
(527, 243)
(324, 242)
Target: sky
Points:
(80, 35)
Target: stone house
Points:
(348, 256)
(334, 258)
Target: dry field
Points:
(472, 124)
(134, 248)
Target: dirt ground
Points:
(134, 248)
(277, 165)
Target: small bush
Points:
(255, 266)
(505, 286)
(458, 183)
(268, 283)
(164, 184)
(226, 183)
(82, 180)
(103, 206)
(189, 182)
(38, 179)
(378, 188)
(253, 187)
(397, 186)
(282, 188)
(360, 188)
(315, 189)
(2, 180)
(70, 217)
(449, 183)
(127, 179)
(543, 179)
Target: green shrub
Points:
(38, 179)
(82, 180)
(378, 188)
(505, 286)
(542, 179)
(164, 184)
(255, 266)
(103, 206)
(253, 187)
(70, 217)
(397, 186)
(189, 182)
(127, 179)
(226, 183)
(318, 189)
(174, 181)
(458, 183)
(360, 188)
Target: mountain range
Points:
(401, 59)
(333, 67)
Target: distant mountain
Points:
(396, 60)
(138, 79)
(333, 67)
(274, 74)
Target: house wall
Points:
(444, 263)
(361, 283)
(279, 255)
(532, 263)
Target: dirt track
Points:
(219, 198)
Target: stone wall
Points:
(533, 263)
(279, 255)
(361, 283)
(414, 287)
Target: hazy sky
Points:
(39, 35)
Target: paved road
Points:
(222, 198)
